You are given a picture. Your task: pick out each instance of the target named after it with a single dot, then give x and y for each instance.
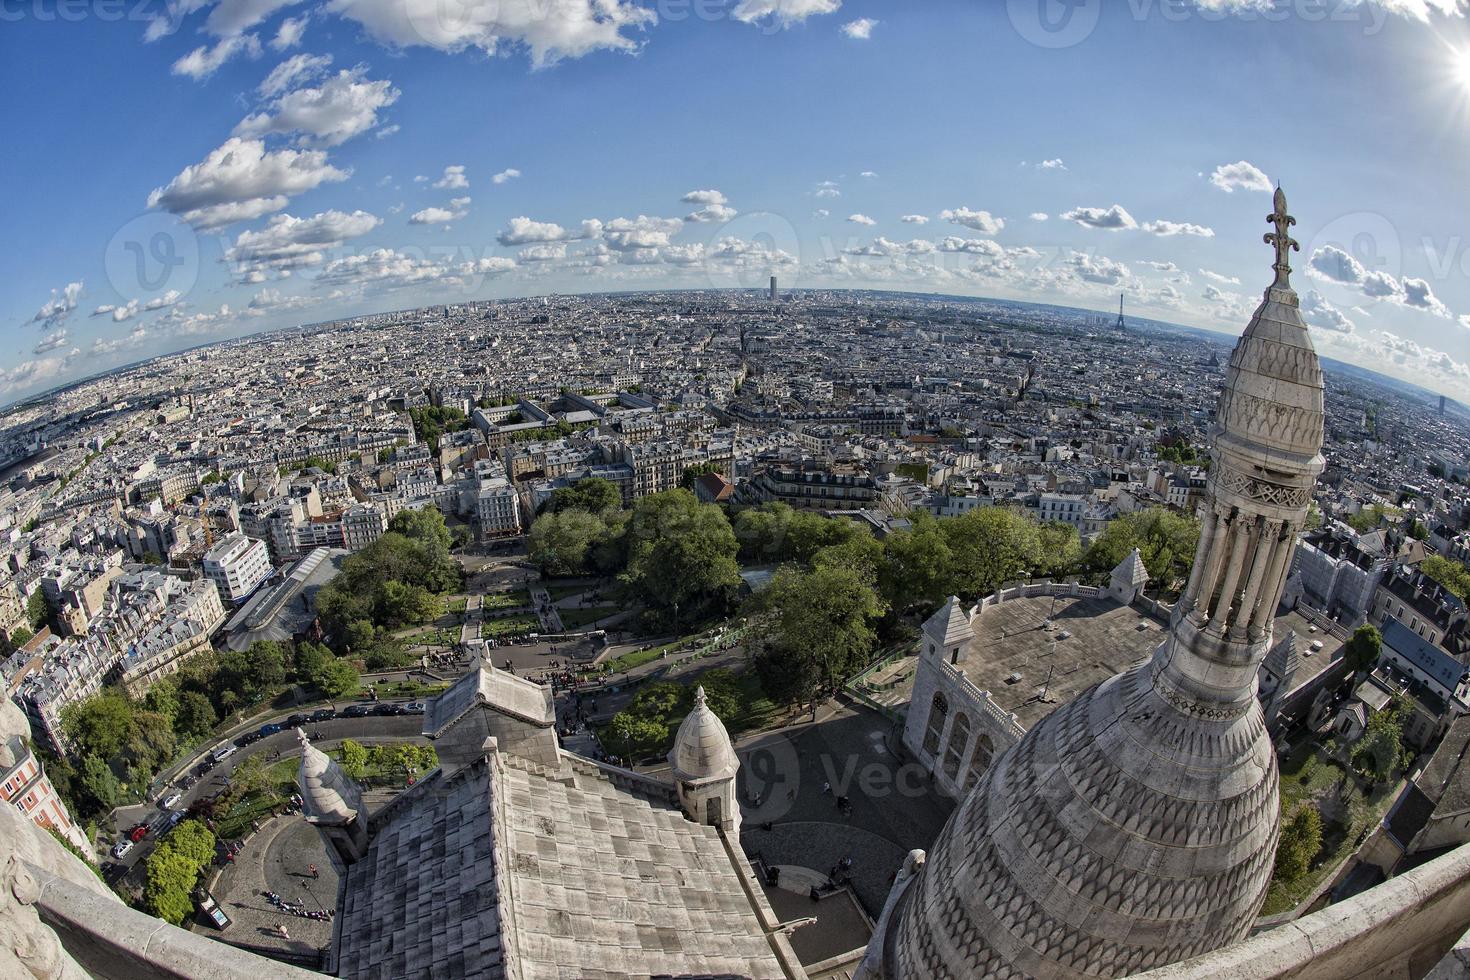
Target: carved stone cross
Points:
(1282, 240)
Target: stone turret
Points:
(1136, 826)
(704, 767)
(1128, 579)
(332, 802)
(948, 632)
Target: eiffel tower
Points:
(1121, 324)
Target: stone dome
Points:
(331, 797)
(702, 749)
(1136, 826)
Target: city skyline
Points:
(329, 160)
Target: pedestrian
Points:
(826, 788)
(314, 873)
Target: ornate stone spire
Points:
(1281, 239)
(1136, 826)
(331, 797)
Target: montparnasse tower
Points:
(1137, 825)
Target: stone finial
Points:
(702, 748)
(1282, 240)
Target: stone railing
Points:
(114, 942)
(1400, 928)
(1004, 720)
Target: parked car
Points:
(138, 833)
(356, 710)
(172, 800)
(323, 714)
(387, 708)
(225, 751)
(247, 738)
(178, 815)
(414, 708)
(121, 847)
(269, 729)
(297, 720)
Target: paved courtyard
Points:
(276, 859)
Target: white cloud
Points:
(453, 179)
(1241, 175)
(458, 208)
(1317, 312)
(705, 197)
(1115, 218)
(915, 219)
(232, 17)
(712, 213)
(55, 311)
(981, 221)
(782, 13)
(510, 173)
(30, 373)
(387, 131)
(288, 35)
(51, 342)
(204, 60)
(239, 180)
(1040, 216)
(1219, 278)
(628, 234)
(828, 188)
(821, 213)
(287, 74)
(1166, 229)
(344, 106)
(1053, 164)
(386, 268)
(548, 29)
(553, 252)
(524, 231)
(1098, 269)
(860, 29)
(882, 247)
(288, 242)
(861, 219)
(1333, 264)
(972, 246)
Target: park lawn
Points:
(1308, 774)
(496, 601)
(404, 689)
(511, 626)
(455, 604)
(575, 618)
(628, 661)
(560, 592)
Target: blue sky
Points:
(187, 171)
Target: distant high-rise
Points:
(774, 295)
(1121, 324)
(1441, 404)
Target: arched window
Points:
(980, 761)
(938, 711)
(959, 739)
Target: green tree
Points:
(403, 604)
(1380, 752)
(1060, 551)
(100, 790)
(633, 737)
(916, 564)
(813, 630)
(354, 759)
(173, 870)
(990, 546)
(100, 725)
(424, 524)
(562, 542)
(195, 717)
(37, 612)
(1451, 574)
(681, 553)
(1166, 542)
(592, 494)
(1363, 648)
(1301, 840)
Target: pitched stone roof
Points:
(1131, 570)
(499, 689)
(950, 625)
(1282, 659)
(508, 869)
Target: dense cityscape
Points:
(735, 490)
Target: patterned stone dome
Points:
(702, 748)
(331, 797)
(1137, 825)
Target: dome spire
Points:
(1281, 239)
